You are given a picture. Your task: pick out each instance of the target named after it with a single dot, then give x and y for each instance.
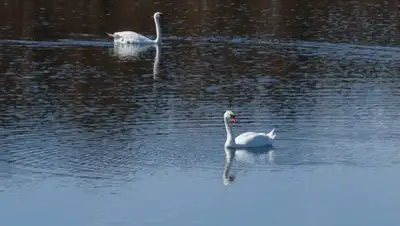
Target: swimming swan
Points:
(133, 37)
(247, 139)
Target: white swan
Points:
(248, 139)
(133, 37)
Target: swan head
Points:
(157, 15)
(229, 115)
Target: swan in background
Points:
(247, 139)
(247, 155)
(130, 37)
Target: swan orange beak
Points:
(233, 119)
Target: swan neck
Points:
(158, 31)
(229, 136)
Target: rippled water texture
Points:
(94, 133)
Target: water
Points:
(97, 134)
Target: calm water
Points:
(94, 134)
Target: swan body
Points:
(247, 139)
(130, 37)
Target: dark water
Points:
(97, 134)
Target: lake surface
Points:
(94, 134)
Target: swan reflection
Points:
(229, 156)
(254, 155)
(130, 51)
(245, 155)
(133, 52)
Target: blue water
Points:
(94, 134)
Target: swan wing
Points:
(253, 139)
(129, 37)
(246, 135)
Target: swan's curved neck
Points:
(158, 31)
(230, 141)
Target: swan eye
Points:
(233, 116)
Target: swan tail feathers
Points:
(111, 35)
(272, 134)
